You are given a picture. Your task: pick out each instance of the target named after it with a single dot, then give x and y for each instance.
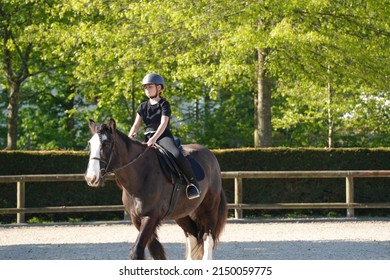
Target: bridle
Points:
(104, 171)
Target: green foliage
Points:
(38, 220)
(206, 125)
(328, 62)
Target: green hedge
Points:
(273, 159)
(255, 191)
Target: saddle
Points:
(169, 166)
(173, 172)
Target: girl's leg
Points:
(193, 190)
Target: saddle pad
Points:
(196, 168)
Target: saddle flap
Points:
(172, 170)
(168, 164)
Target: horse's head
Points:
(101, 152)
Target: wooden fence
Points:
(238, 204)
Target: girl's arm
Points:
(136, 125)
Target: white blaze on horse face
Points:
(93, 171)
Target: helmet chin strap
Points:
(154, 97)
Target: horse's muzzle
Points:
(93, 180)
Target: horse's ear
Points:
(112, 124)
(92, 126)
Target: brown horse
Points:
(146, 192)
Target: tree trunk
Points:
(15, 79)
(263, 125)
(330, 116)
(13, 109)
(69, 106)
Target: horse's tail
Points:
(222, 217)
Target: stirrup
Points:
(192, 191)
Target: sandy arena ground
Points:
(306, 239)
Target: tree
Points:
(342, 47)
(26, 51)
(304, 64)
(332, 49)
(310, 50)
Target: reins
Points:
(132, 161)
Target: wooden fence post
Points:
(20, 200)
(126, 216)
(237, 196)
(349, 195)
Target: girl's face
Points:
(151, 90)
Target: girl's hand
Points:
(151, 142)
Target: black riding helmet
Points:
(153, 79)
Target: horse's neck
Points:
(130, 150)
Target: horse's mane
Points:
(128, 141)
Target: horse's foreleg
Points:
(146, 233)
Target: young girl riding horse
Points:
(155, 113)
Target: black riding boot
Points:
(192, 190)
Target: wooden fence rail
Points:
(238, 204)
